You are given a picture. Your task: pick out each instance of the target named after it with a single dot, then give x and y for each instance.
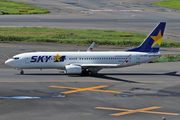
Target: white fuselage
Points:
(47, 60)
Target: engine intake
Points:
(69, 69)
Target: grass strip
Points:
(174, 4)
(10, 7)
(167, 58)
(101, 37)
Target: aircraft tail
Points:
(91, 47)
(153, 41)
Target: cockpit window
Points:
(15, 58)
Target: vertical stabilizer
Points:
(91, 47)
(153, 41)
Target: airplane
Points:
(91, 62)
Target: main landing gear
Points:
(89, 73)
(86, 72)
(22, 72)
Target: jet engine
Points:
(69, 69)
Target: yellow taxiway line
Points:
(5, 56)
(85, 89)
(129, 111)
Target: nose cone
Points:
(9, 63)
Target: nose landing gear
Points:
(21, 70)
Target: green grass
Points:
(174, 4)
(101, 37)
(167, 58)
(10, 7)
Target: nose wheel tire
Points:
(22, 72)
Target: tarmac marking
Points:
(81, 81)
(5, 56)
(70, 8)
(66, 7)
(121, 3)
(129, 111)
(146, 10)
(84, 89)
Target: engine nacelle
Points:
(69, 69)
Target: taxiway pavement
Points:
(146, 92)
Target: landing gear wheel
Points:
(89, 73)
(22, 72)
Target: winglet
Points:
(91, 47)
(153, 41)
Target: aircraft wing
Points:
(99, 65)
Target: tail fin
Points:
(153, 41)
(91, 47)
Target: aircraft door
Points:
(138, 59)
(27, 60)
